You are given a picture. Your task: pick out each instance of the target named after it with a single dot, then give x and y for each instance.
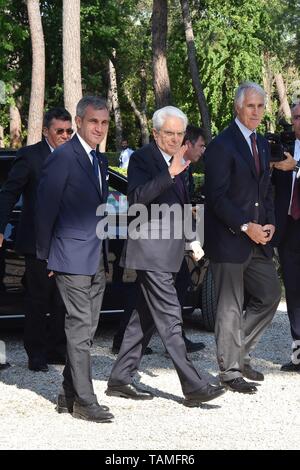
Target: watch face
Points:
(244, 227)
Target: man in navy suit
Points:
(287, 238)
(156, 252)
(239, 224)
(72, 187)
(42, 296)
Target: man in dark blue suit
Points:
(72, 187)
(239, 224)
(287, 238)
(42, 296)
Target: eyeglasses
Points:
(172, 134)
(297, 117)
(62, 131)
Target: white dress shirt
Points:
(88, 150)
(246, 132)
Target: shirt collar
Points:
(50, 147)
(244, 130)
(86, 146)
(166, 156)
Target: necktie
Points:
(95, 164)
(255, 152)
(180, 187)
(295, 204)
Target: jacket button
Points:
(256, 204)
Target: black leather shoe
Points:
(206, 393)
(56, 360)
(128, 391)
(92, 412)
(240, 385)
(252, 374)
(290, 367)
(4, 366)
(116, 349)
(37, 365)
(65, 404)
(193, 347)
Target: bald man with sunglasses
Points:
(42, 296)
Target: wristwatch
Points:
(244, 227)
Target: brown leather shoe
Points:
(206, 393)
(252, 374)
(128, 391)
(92, 412)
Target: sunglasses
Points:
(62, 131)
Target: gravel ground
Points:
(269, 419)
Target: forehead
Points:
(91, 112)
(252, 96)
(59, 123)
(173, 122)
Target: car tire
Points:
(208, 301)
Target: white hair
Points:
(243, 88)
(162, 114)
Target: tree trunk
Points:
(1, 137)
(115, 102)
(71, 55)
(161, 81)
(284, 108)
(36, 107)
(141, 116)
(15, 127)
(268, 77)
(192, 56)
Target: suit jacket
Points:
(235, 195)
(282, 181)
(23, 179)
(150, 183)
(66, 221)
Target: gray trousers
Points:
(83, 297)
(157, 307)
(238, 332)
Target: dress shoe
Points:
(4, 366)
(65, 404)
(56, 360)
(252, 374)
(116, 350)
(240, 385)
(37, 365)
(193, 347)
(206, 393)
(93, 412)
(128, 391)
(290, 367)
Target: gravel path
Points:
(269, 419)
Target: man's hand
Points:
(178, 165)
(269, 231)
(286, 165)
(1, 239)
(50, 273)
(258, 233)
(198, 253)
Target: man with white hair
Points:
(155, 179)
(239, 224)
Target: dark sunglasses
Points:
(62, 131)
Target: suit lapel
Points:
(243, 148)
(85, 162)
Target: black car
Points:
(119, 283)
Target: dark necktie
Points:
(255, 152)
(295, 204)
(95, 164)
(180, 187)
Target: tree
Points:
(192, 55)
(113, 86)
(71, 55)
(161, 81)
(36, 107)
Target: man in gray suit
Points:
(155, 179)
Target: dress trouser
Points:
(83, 297)
(289, 254)
(238, 332)
(42, 336)
(157, 307)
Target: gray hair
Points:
(95, 102)
(162, 114)
(243, 88)
(294, 105)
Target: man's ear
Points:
(45, 132)
(78, 122)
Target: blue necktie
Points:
(95, 164)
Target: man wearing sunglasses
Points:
(42, 296)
